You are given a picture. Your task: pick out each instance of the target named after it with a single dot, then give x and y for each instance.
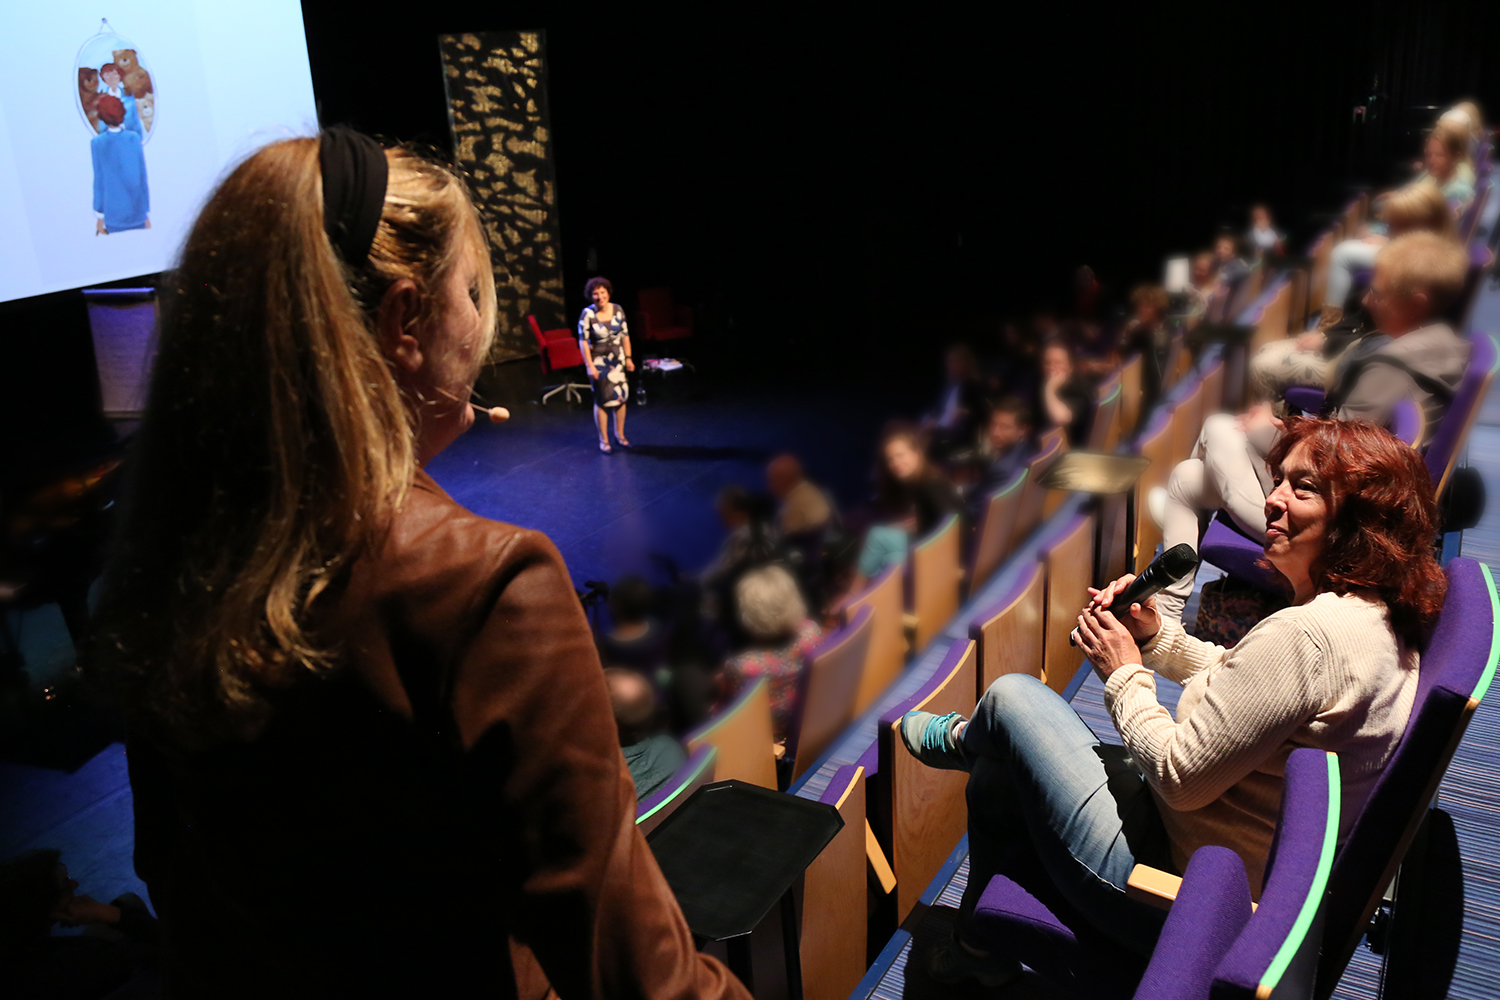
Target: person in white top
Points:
(1350, 527)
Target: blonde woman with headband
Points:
(370, 744)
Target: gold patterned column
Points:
(497, 110)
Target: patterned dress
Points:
(605, 342)
(782, 667)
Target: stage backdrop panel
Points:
(497, 108)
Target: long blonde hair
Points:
(276, 446)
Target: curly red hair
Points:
(110, 109)
(1382, 519)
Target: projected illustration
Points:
(117, 100)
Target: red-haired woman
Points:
(1350, 526)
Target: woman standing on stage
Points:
(604, 340)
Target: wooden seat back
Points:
(829, 683)
(1155, 444)
(834, 923)
(743, 735)
(936, 580)
(1033, 494)
(996, 531)
(1069, 562)
(922, 809)
(886, 655)
(1131, 375)
(1187, 422)
(1008, 635)
(1104, 432)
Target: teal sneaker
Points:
(929, 738)
(950, 963)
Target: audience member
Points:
(1007, 448)
(651, 755)
(912, 499)
(1007, 442)
(1066, 396)
(1338, 671)
(1418, 357)
(1203, 284)
(1231, 267)
(636, 638)
(774, 615)
(1445, 162)
(1418, 207)
(1467, 114)
(1147, 335)
(121, 939)
(803, 507)
(1263, 236)
(363, 687)
(750, 539)
(954, 426)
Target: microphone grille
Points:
(1179, 560)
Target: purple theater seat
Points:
(1212, 943)
(1305, 398)
(1457, 667)
(1407, 423)
(1211, 910)
(1453, 428)
(1228, 548)
(1280, 944)
(1021, 916)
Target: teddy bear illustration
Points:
(88, 94)
(145, 106)
(135, 79)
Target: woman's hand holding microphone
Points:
(1111, 642)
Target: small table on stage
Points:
(734, 850)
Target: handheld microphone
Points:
(1165, 570)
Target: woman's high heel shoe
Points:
(604, 447)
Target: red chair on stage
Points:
(559, 351)
(660, 318)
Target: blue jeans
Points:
(1048, 801)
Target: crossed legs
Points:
(1220, 475)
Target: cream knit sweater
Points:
(1329, 674)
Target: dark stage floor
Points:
(606, 513)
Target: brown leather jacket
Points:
(447, 815)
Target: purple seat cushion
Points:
(1210, 912)
(1021, 915)
(1225, 547)
(1305, 398)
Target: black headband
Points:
(354, 178)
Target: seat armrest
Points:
(1153, 886)
(1156, 887)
